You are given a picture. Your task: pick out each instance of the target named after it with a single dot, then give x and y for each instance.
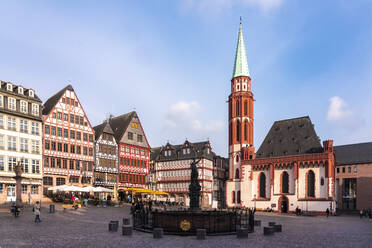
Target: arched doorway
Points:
(283, 204)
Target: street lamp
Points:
(255, 202)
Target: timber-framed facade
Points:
(68, 141)
(106, 157)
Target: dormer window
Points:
(9, 87)
(20, 90)
(188, 150)
(208, 150)
(1, 101)
(31, 93)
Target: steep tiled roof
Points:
(155, 152)
(354, 153)
(120, 123)
(197, 150)
(52, 101)
(290, 137)
(3, 88)
(103, 127)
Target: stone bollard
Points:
(126, 221)
(268, 230)
(278, 228)
(242, 233)
(113, 226)
(158, 233)
(257, 223)
(271, 223)
(51, 208)
(200, 234)
(127, 230)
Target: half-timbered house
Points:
(133, 150)
(173, 171)
(68, 141)
(106, 157)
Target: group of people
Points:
(365, 213)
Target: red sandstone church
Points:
(290, 169)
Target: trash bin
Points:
(51, 208)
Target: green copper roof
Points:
(241, 64)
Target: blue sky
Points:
(172, 62)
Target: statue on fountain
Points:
(194, 187)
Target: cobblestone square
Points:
(89, 228)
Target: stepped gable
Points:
(52, 101)
(290, 137)
(360, 153)
(120, 123)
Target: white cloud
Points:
(185, 117)
(183, 108)
(208, 7)
(338, 109)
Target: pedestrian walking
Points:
(361, 213)
(150, 205)
(37, 212)
(327, 212)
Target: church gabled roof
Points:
(290, 137)
(241, 63)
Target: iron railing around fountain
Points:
(215, 222)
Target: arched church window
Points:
(322, 181)
(238, 130)
(238, 197)
(237, 173)
(285, 182)
(245, 107)
(233, 196)
(310, 184)
(230, 108)
(237, 158)
(262, 185)
(245, 130)
(237, 108)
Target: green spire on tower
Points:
(241, 63)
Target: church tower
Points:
(240, 123)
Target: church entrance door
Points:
(283, 204)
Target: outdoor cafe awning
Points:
(146, 191)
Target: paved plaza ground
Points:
(89, 228)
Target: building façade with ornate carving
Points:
(106, 157)
(290, 169)
(68, 141)
(172, 172)
(133, 151)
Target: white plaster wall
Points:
(230, 187)
(256, 175)
(277, 180)
(246, 187)
(320, 191)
